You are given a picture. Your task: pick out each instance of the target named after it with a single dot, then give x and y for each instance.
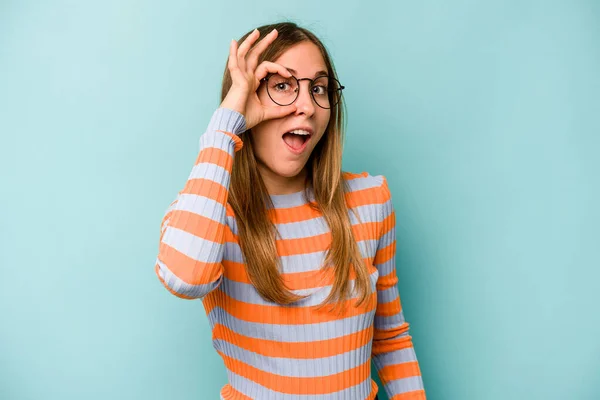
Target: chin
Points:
(288, 172)
(285, 169)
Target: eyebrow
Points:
(293, 71)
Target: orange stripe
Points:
(297, 350)
(388, 223)
(365, 231)
(187, 269)
(385, 254)
(312, 279)
(290, 247)
(387, 281)
(305, 212)
(383, 346)
(390, 308)
(236, 272)
(392, 333)
(229, 392)
(387, 340)
(353, 175)
(399, 371)
(363, 197)
(229, 211)
(299, 385)
(211, 300)
(206, 188)
(236, 139)
(216, 156)
(288, 315)
(229, 236)
(322, 242)
(198, 225)
(293, 214)
(322, 277)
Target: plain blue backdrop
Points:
(483, 115)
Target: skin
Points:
(282, 171)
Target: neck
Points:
(278, 185)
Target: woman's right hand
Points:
(245, 75)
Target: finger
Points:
(232, 61)
(247, 43)
(252, 59)
(279, 111)
(267, 67)
(232, 64)
(244, 47)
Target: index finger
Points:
(259, 48)
(232, 60)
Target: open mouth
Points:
(297, 140)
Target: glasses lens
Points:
(282, 90)
(321, 91)
(326, 91)
(335, 91)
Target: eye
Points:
(281, 86)
(320, 89)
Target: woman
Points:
(269, 230)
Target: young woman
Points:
(293, 258)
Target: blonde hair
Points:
(248, 193)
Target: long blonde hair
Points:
(248, 194)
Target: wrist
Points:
(228, 120)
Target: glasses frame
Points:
(330, 92)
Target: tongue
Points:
(294, 141)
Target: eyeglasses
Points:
(326, 91)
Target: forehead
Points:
(303, 57)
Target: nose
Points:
(305, 103)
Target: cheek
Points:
(324, 120)
(265, 139)
(263, 96)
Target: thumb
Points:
(279, 111)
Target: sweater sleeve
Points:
(393, 352)
(194, 229)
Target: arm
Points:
(393, 352)
(194, 228)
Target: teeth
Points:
(300, 132)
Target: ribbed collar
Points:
(292, 199)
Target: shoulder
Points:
(367, 185)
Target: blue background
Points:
(483, 115)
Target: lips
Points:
(297, 142)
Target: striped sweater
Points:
(288, 352)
